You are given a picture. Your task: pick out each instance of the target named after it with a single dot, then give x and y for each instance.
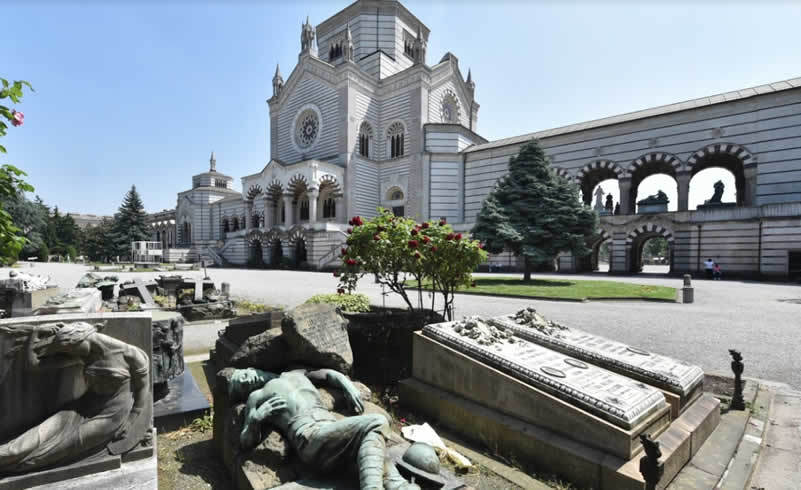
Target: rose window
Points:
(306, 129)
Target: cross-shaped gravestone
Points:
(198, 290)
(144, 293)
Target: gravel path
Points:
(760, 319)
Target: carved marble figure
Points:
(292, 404)
(108, 413)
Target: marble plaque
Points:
(615, 398)
(664, 372)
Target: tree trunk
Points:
(526, 269)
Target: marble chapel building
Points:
(367, 119)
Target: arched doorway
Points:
(300, 252)
(637, 241)
(276, 252)
(255, 253)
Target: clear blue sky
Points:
(140, 93)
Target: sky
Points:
(141, 92)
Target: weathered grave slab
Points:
(677, 377)
(79, 300)
(317, 335)
(619, 400)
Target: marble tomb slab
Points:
(78, 300)
(677, 377)
(622, 401)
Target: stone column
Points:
(288, 211)
(313, 194)
(626, 206)
(750, 198)
(249, 215)
(339, 206)
(269, 214)
(683, 181)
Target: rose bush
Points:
(395, 248)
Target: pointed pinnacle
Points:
(469, 75)
(277, 71)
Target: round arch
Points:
(648, 165)
(728, 156)
(594, 173)
(635, 241)
(254, 192)
(590, 262)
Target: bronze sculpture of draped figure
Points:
(107, 416)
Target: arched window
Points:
(395, 140)
(304, 209)
(329, 208)
(365, 139)
(235, 225)
(397, 195)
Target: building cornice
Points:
(385, 7)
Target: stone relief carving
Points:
(112, 413)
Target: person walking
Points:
(709, 265)
(716, 272)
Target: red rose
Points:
(376, 237)
(458, 236)
(449, 236)
(413, 243)
(340, 291)
(18, 118)
(417, 255)
(414, 232)
(350, 262)
(426, 239)
(350, 230)
(481, 245)
(434, 248)
(356, 221)
(425, 225)
(344, 251)
(442, 222)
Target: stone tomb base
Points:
(183, 403)
(541, 431)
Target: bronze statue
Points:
(291, 403)
(650, 466)
(737, 400)
(108, 415)
(718, 195)
(609, 204)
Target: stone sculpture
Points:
(306, 37)
(599, 195)
(737, 401)
(617, 209)
(658, 198)
(112, 414)
(718, 195)
(292, 404)
(650, 466)
(609, 204)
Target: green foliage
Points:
(130, 223)
(44, 253)
(203, 424)
(160, 300)
(356, 303)
(534, 213)
(11, 182)
(98, 243)
(392, 248)
(251, 306)
(656, 247)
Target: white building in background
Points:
(363, 120)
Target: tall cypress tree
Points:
(534, 213)
(129, 223)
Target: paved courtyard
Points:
(760, 319)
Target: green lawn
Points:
(565, 289)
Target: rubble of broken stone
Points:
(24, 282)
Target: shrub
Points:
(392, 248)
(355, 303)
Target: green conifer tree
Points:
(534, 213)
(129, 223)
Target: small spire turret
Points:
(212, 163)
(419, 47)
(348, 44)
(278, 81)
(469, 82)
(307, 37)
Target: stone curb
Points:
(568, 300)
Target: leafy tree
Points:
(44, 253)
(11, 182)
(31, 220)
(129, 223)
(534, 213)
(98, 241)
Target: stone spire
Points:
(307, 37)
(278, 81)
(212, 163)
(419, 47)
(469, 82)
(348, 44)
